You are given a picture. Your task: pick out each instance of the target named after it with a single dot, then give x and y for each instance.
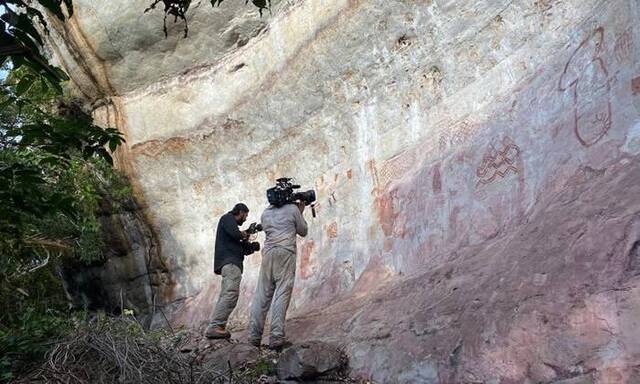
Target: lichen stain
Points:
(635, 86)
(453, 219)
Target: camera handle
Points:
(313, 210)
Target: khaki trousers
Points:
(275, 284)
(229, 292)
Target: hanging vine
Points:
(178, 9)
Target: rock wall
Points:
(133, 274)
(476, 164)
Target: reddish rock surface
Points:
(555, 299)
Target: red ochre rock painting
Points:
(383, 203)
(586, 77)
(623, 47)
(396, 167)
(305, 258)
(455, 134)
(156, 148)
(498, 162)
(635, 86)
(332, 230)
(385, 212)
(563, 285)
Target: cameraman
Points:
(277, 271)
(229, 255)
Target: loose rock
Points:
(583, 379)
(309, 360)
(234, 355)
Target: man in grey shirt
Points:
(277, 271)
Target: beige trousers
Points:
(275, 284)
(229, 292)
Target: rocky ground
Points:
(121, 350)
(309, 362)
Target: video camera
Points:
(283, 194)
(254, 228)
(249, 247)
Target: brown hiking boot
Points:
(216, 332)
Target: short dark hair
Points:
(240, 207)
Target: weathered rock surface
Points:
(582, 379)
(309, 360)
(476, 164)
(553, 299)
(235, 355)
(133, 275)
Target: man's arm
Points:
(230, 226)
(301, 223)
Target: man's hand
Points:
(301, 206)
(244, 234)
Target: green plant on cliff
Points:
(55, 169)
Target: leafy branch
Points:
(21, 42)
(178, 9)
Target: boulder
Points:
(234, 355)
(582, 379)
(309, 360)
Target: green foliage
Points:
(57, 221)
(34, 315)
(55, 170)
(264, 366)
(26, 343)
(21, 42)
(40, 118)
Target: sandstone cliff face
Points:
(476, 164)
(133, 274)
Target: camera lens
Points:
(308, 197)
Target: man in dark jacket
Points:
(229, 255)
